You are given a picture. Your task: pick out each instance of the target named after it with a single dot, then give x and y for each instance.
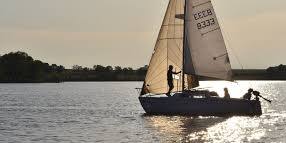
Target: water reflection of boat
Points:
(179, 128)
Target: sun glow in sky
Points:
(114, 32)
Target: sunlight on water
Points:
(110, 112)
(207, 129)
(236, 129)
(265, 128)
(238, 89)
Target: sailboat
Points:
(190, 39)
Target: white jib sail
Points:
(205, 50)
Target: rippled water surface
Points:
(111, 112)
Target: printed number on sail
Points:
(206, 23)
(202, 14)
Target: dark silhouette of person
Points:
(257, 95)
(170, 79)
(248, 95)
(226, 94)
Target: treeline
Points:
(20, 67)
(278, 69)
(105, 73)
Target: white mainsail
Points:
(205, 50)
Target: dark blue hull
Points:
(212, 106)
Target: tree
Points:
(142, 70)
(77, 67)
(20, 67)
(108, 69)
(99, 68)
(118, 69)
(60, 69)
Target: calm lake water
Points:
(110, 112)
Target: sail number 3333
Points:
(204, 14)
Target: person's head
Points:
(170, 67)
(225, 90)
(250, 90)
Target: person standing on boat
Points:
(226, 94)
(248, 95)
(170, 79)
(257, 95)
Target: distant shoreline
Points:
(19, 67)
(135, 81)
(87, 76)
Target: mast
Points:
(184, 41)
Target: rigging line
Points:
(233, 50)
(227, 41)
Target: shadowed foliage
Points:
(20, 67)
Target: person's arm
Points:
(177, 72)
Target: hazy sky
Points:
(123, 32)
